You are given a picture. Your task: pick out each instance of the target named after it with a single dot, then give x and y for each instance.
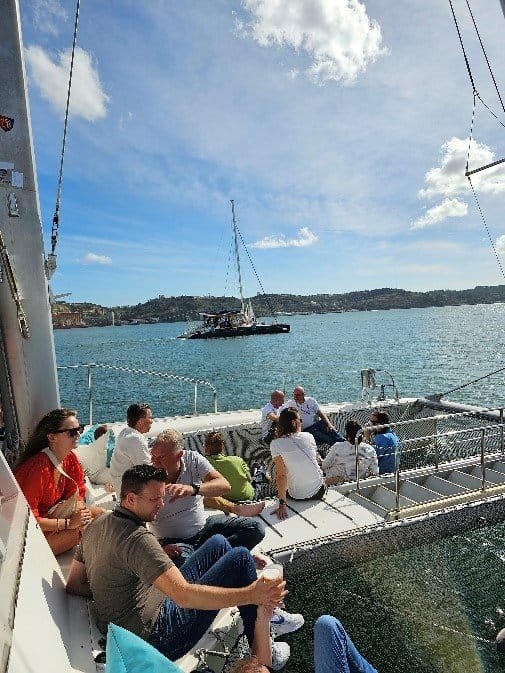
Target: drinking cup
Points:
(274, 571)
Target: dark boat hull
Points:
(227, 332)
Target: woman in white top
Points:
(340, 462)
(295, 458)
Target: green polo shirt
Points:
(236, 471)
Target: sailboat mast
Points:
(237, 256)
(28, 378)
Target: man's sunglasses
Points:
(73, 432)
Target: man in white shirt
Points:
(131, 445)
(270, 416)
(322, 430)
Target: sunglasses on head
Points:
(73, 432)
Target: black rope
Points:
(469, 383)
(485, 55)
(485, 226)
(256, 274)
(462, 47)
(56, 216)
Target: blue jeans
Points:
(240, 531)
(322, 435)
(334, 651)
(176, 630)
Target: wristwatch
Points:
(282, 501)
(196, 489)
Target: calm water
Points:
(427, 351)
(432, 609)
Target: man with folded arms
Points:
(134, 584)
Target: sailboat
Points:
(237, 322)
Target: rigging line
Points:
(470, 135)
(462, 47)
(56, 216)
(485, 55)
(256, 274)
(490, 110)
(485, 226)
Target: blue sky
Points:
(339, 127)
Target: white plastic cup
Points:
(274, 571)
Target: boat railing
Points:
(436, 448)
(90, 366)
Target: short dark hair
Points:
(287, 422)
(351, 430)
(135, 412)
(99, 431)
(138, 476)
(382, 419)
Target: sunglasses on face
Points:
(72, 432)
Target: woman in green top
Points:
(233, 468)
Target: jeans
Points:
(176, 630)
(322, 435)
(240, 531)
(334, 651)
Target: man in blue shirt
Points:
(385, 443)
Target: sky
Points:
(339, 127)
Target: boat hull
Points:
(228, 332)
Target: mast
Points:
(237, 256)
(28, 378)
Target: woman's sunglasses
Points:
(73, 432)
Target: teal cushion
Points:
(127, 653)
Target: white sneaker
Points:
(280, 655)
(283, 622)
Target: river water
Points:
(434, 608)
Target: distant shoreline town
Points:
(177, 309)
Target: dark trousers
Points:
(322, 435)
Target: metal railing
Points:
(164, 375)
(431, 443)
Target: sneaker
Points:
(280, 655)
(283, 622)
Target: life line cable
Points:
(476, 96)
(56, 216)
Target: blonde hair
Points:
(171, 436)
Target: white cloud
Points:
(47, 14)
(449, 178)
(92, 258)
(88, 99)
(305, 238)
(448, 208)
(500, 245)
(337, 35)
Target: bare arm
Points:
(282, 487)
(262, 647)
(214, 484)
(273, 416)
(204, 597)
(324, 418)
(77, 582)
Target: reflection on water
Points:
(436, 608)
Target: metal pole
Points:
(397, 487)
(482, 464)
(214, 394)
(196, 397)
(90, 396)
(501, 430)
(356, 444)
(437, 457)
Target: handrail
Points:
(164, 375)
(435, 437)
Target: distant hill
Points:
(173, 309)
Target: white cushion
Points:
(93, 459)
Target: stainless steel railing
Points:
(432, 441)
(164, 375)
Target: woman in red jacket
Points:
(52, 480)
